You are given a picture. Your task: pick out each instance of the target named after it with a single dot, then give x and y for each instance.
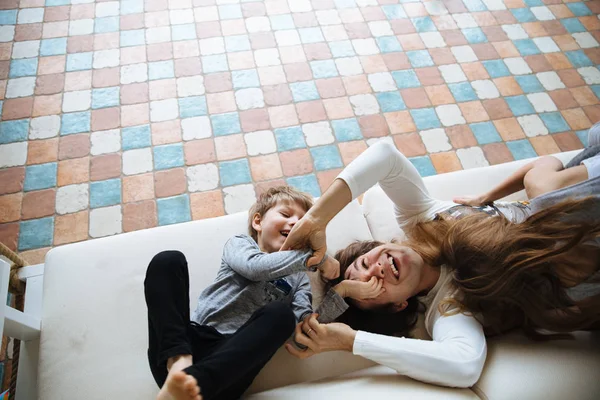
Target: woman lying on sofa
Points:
(477, 270)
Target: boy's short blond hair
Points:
(271, 197)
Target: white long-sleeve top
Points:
(456, 355)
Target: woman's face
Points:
(399, 267)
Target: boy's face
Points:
(276, 224)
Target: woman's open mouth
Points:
(393, 267)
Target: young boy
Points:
(245, 315)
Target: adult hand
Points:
(320, 338)
(475, 201)
(307, 233)
(359, 290)
(330, 269)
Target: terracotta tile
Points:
(411, 42)
(218, 82)
(296, 162)
(455, 6)
(138, 187)
(163, 89)
(373, 126)
(473, 111)
(372, 64)
(444, 22)
(166, 132)
(5, 51)
(558, 61)
(544, 145)
(429, 76)
(454, 38)
(554, 27)
(10, 207)
(53, 14)
(594, 6)
(17, 108)
(571, 78)
(11, 179)
(42, 151)
(560, 11)
(357, 30)
(188, 67)
(401, 27)
(28, 32)
(208, 29)
(4, 68)
(461, 136)
(105, 166)
(497, 153)
(351, 150)
(494, 33)
(136, 114)
(439, 94)
(338, 108)
(207, 205)
(9, 235)
(74, 146)
(396, 61)
(2, 89)
(106, 41)
(71, 227)
(506, 49)
(105, 118)
(137, 216)
(442, 56)
(509, 129)
(591, 23)
(73, 171)
(514, 3)
(230, 147)
(534, 29)
(310, 111)
(566, 42)
(445, 162)
(51, 65)
(563, 99)
(372, 13)
(592, 112)
(277, 95)
(38, 204)
(131, 21)
(583, 96)
(332, 87)
(105, 77)
(400, 122)
(567, 141)
(170, 182)
(593, 54)
(254, 120)
(317, 51)
(220, 102)
(78, 80)
(82, 11)
(159, 51)
(356, 85)
(47, 105)
(508, 86)
(281, 116)
(297, 72)
(80, 44)
(37, 256)
(475, 71)
(484, 18)
(410, 144)
(485, 51)
(538, 63)
(326, 178)
(265, 167)
(49, 84)
(134, 93)
(497, 108)
(576, 119)
(415, 97)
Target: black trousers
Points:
(224, 365)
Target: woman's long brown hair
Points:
(517, 274)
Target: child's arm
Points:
(243, 256)
(510, 185)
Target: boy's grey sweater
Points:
(250, 279)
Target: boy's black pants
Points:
(224, 365)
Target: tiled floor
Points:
(118, 116)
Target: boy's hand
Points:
(475, 201)
(363, 290)
(330, 269)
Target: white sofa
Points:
(94, 328)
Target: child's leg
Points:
(166, 288)
(228, 371)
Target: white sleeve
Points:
(454, 358)
(398, 178)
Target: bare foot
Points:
(179, 386)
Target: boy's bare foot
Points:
(179, 386)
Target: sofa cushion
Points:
(94, 324)
(371, 383)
